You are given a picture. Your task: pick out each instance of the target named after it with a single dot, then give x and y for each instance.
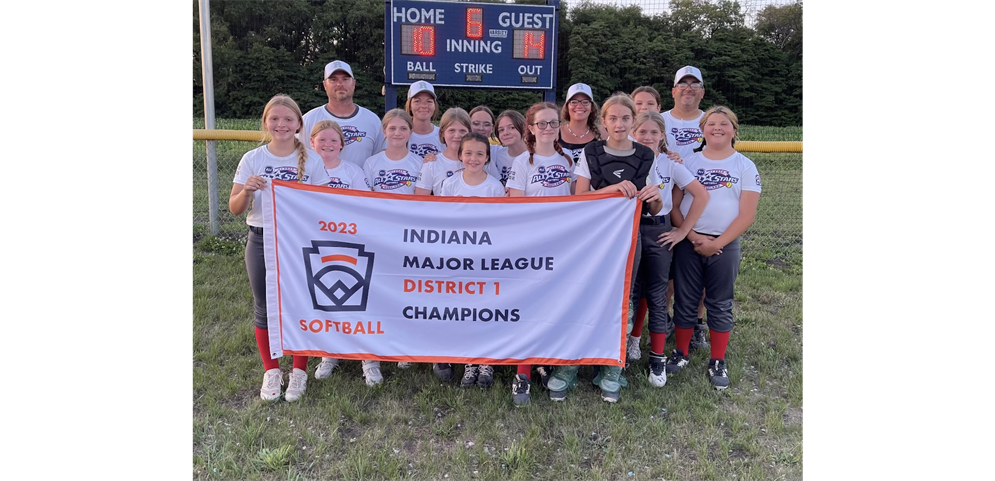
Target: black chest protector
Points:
(607, 169)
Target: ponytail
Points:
(301, 159)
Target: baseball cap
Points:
(419, 87)
(336, 66)
(688, 70)
(579, 89)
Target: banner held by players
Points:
(365, 275)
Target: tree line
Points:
(263, 48)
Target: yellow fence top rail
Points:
(257, 136)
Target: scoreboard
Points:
(490, 45)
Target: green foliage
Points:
(264, 48)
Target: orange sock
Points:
(683, 338)
(657, 340)
(262, 341)
(300, 362)
(719, 342)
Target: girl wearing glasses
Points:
(482, 122)
(580, 121)
(543, 170)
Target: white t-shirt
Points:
(724, 180)
(683, 136)
(261, 162)
(456, 186)
(500, 164)
(347, 176)
(433, 173)
(547, 176)
(664, 174)
(422, 144)
(397, 176)
(362, 131)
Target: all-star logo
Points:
(715, 178)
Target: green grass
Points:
(415, 427)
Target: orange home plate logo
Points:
(338, 275)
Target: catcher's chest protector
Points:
(607, 169)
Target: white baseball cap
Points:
(579, 89)
(419, 87)
(336, 66)
(685, 71)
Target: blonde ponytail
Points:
(301, 159)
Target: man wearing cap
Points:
(683, 136)
(360, 127)
(683, 132)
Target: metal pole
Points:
(550, 95)
(390, 90)
(206, 67)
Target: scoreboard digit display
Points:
(491, 45)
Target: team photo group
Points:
(698, 195)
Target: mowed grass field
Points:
(416, 427)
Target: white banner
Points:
(368, 275)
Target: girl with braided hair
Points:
(544, 169)
(283, 158)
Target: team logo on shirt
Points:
(422, 150)
(552, 176)
(338, 275)
(687, 136)
(337, 183)
(663, 180)
(758, 180)
(505, 172)
(393, 179)
(281, 173)
(715, 178)
(352, 134)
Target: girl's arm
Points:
(420, 191)
(683, 229)
(241, 194)
(748, 201)
(515, 192)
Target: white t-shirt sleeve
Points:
(751, 177)
(244, 169)
(359, 180)
(581, 169)
(426, 176)
(681, 175)
(315, 170)
(519, 172)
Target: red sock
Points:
(525, 369)
(262, 340)
(637, 322)
(300, 362)
(657, 340)
(719, 342)
(683, 338)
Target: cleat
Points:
(698, 338)
(272, 380)
(676, 361)
(485, 378)
(520, 388)
(298, 384)
(470, 374)
(371, 373)
(658, 371)
(443, 370)
(325, 368)
(718, 374)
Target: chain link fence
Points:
(775, 237)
